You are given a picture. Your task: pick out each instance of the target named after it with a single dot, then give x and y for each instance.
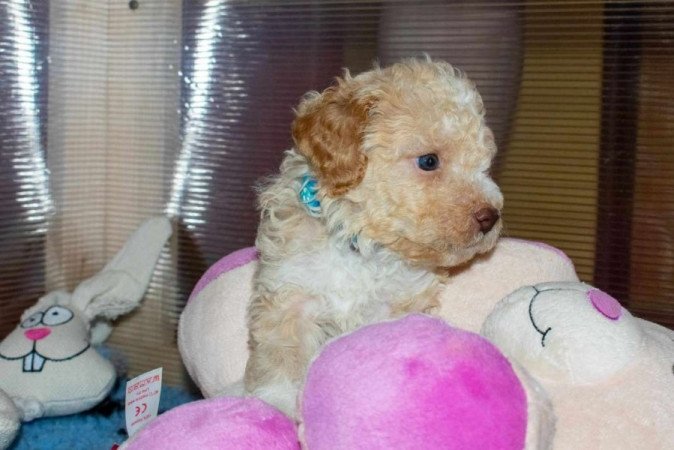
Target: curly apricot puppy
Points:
(388, 184)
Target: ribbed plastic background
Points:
(110, 114)
(25, 199)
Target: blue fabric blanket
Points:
(98, 428)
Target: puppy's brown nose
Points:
(486, 218)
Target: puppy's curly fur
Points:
(387, 227)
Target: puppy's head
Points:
(406, 153)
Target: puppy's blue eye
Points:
(428, 162)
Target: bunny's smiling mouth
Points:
(34, 361)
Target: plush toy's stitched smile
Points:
(33, 361)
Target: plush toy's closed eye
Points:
(602, 302)
(607, 373)
(565, 329)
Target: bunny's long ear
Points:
(120, 286)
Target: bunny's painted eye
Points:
(32, 320)
(57, 315)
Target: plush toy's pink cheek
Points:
(37, 333)
(605, 304)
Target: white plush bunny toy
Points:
(48, 365)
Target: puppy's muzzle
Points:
(486, 218)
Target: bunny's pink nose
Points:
(37, 333)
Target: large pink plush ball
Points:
(220, 423)
(414, 383)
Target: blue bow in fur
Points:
(307, 195)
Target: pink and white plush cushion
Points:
(223, 423)
(475, 288)
(212, 335)
(414, 383)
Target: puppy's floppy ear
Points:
(328, 131)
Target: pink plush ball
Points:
(217, 424)
(414, 383)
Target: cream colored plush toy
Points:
(48, 364)
(609, 375)
(10, 418)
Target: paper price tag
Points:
(142, 400)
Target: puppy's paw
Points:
(281, 394)
(237, 389)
